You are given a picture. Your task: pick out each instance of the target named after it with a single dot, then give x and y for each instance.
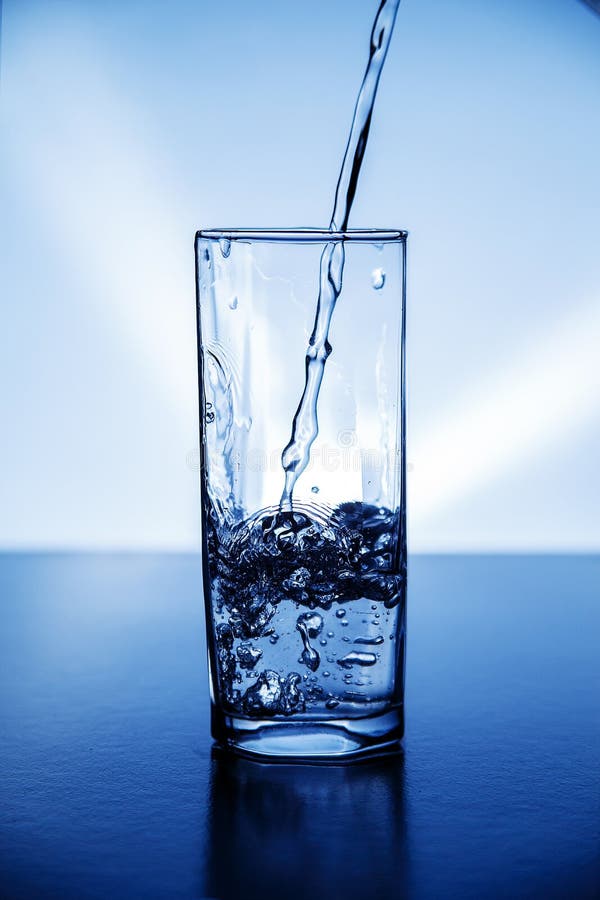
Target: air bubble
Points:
(233, 303)
(315, 489)
(377, 279)
(272, 694)
(312, 622)
(225, 246)
(355, 658)
(248, 655)
(309, 625)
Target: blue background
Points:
(127, 125)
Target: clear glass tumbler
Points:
(305, 604)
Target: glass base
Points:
(334, 740)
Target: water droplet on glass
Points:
(330, 634)
(206, 255)
(225, 246)
(332, 703)
(369, 640)
(233, 302)
(344, 624)
(340, 613)
(377, 279)
(315, 489)
(323, 642)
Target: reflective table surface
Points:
(110, 788)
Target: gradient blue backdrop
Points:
(127, 125)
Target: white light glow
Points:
(96, 191)
(538, 398)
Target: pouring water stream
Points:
(305, 425)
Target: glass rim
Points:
(304, 235)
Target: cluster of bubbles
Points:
(312, 562)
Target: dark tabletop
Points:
(109, 789)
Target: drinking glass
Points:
(305, 604)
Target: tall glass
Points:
(305, 607)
